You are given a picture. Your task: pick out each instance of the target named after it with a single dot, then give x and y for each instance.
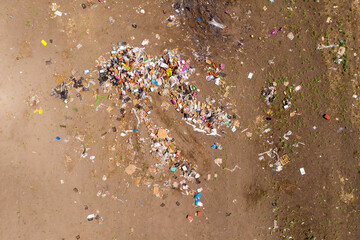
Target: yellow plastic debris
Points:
(39, 110)
(44, 42)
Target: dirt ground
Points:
(48, 189)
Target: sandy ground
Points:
(38, 197)
(44, 196)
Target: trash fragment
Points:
(218, 161)
(285, 136)
(216, 24)
(250, 75)
(90, 217)
(327, 117)
(111, 20)
(145, 42)
(290, 36)
(39, 110)
(275, 30)
(302, 171)
(33, 100)
(44, 42)
(130, 169)
(197, 199)
(216, 146)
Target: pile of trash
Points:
(269, 93)
(133, 74)
(130, 75)
(214, 73)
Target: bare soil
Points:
(48, 189)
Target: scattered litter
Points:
(302, 171)
(250, 75)
(44, 42)
(269, 93)
(33, 100)
(39, 110)
(275, 30)
(284, 159)
(197, 199)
